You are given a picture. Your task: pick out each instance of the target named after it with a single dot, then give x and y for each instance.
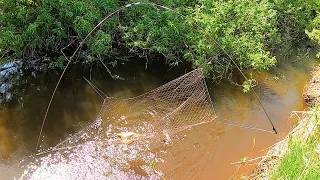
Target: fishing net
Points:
(120, 143)
(160, 113)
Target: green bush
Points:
(294, 16)
(41, 28)
(313, 30)
(249, 31)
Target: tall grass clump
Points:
(302, 158)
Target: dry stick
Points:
(241, 164)
(250, 160)
(295, 113)
(80, 45)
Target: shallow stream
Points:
(205, 152)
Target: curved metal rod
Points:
(80, 45)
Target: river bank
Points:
(297, 155)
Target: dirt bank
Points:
(312, 92)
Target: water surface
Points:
(205, 151)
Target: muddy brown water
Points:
(206, 152)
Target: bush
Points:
(313, 30)
(41, 28)
(294, 16)
(247, 30)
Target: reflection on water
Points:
(7, 144)
(205, 151)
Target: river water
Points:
(205, 152)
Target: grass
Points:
(302, 158)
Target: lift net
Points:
(157, 114)
(129, 129)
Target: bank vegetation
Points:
(204, 33)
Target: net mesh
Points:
(145, 122)
(160, 113)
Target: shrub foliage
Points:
(191, 30)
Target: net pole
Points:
(254, 92)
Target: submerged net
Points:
(160, 113)
(121, 142)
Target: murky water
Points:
(205, 151)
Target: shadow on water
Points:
(25, 98)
